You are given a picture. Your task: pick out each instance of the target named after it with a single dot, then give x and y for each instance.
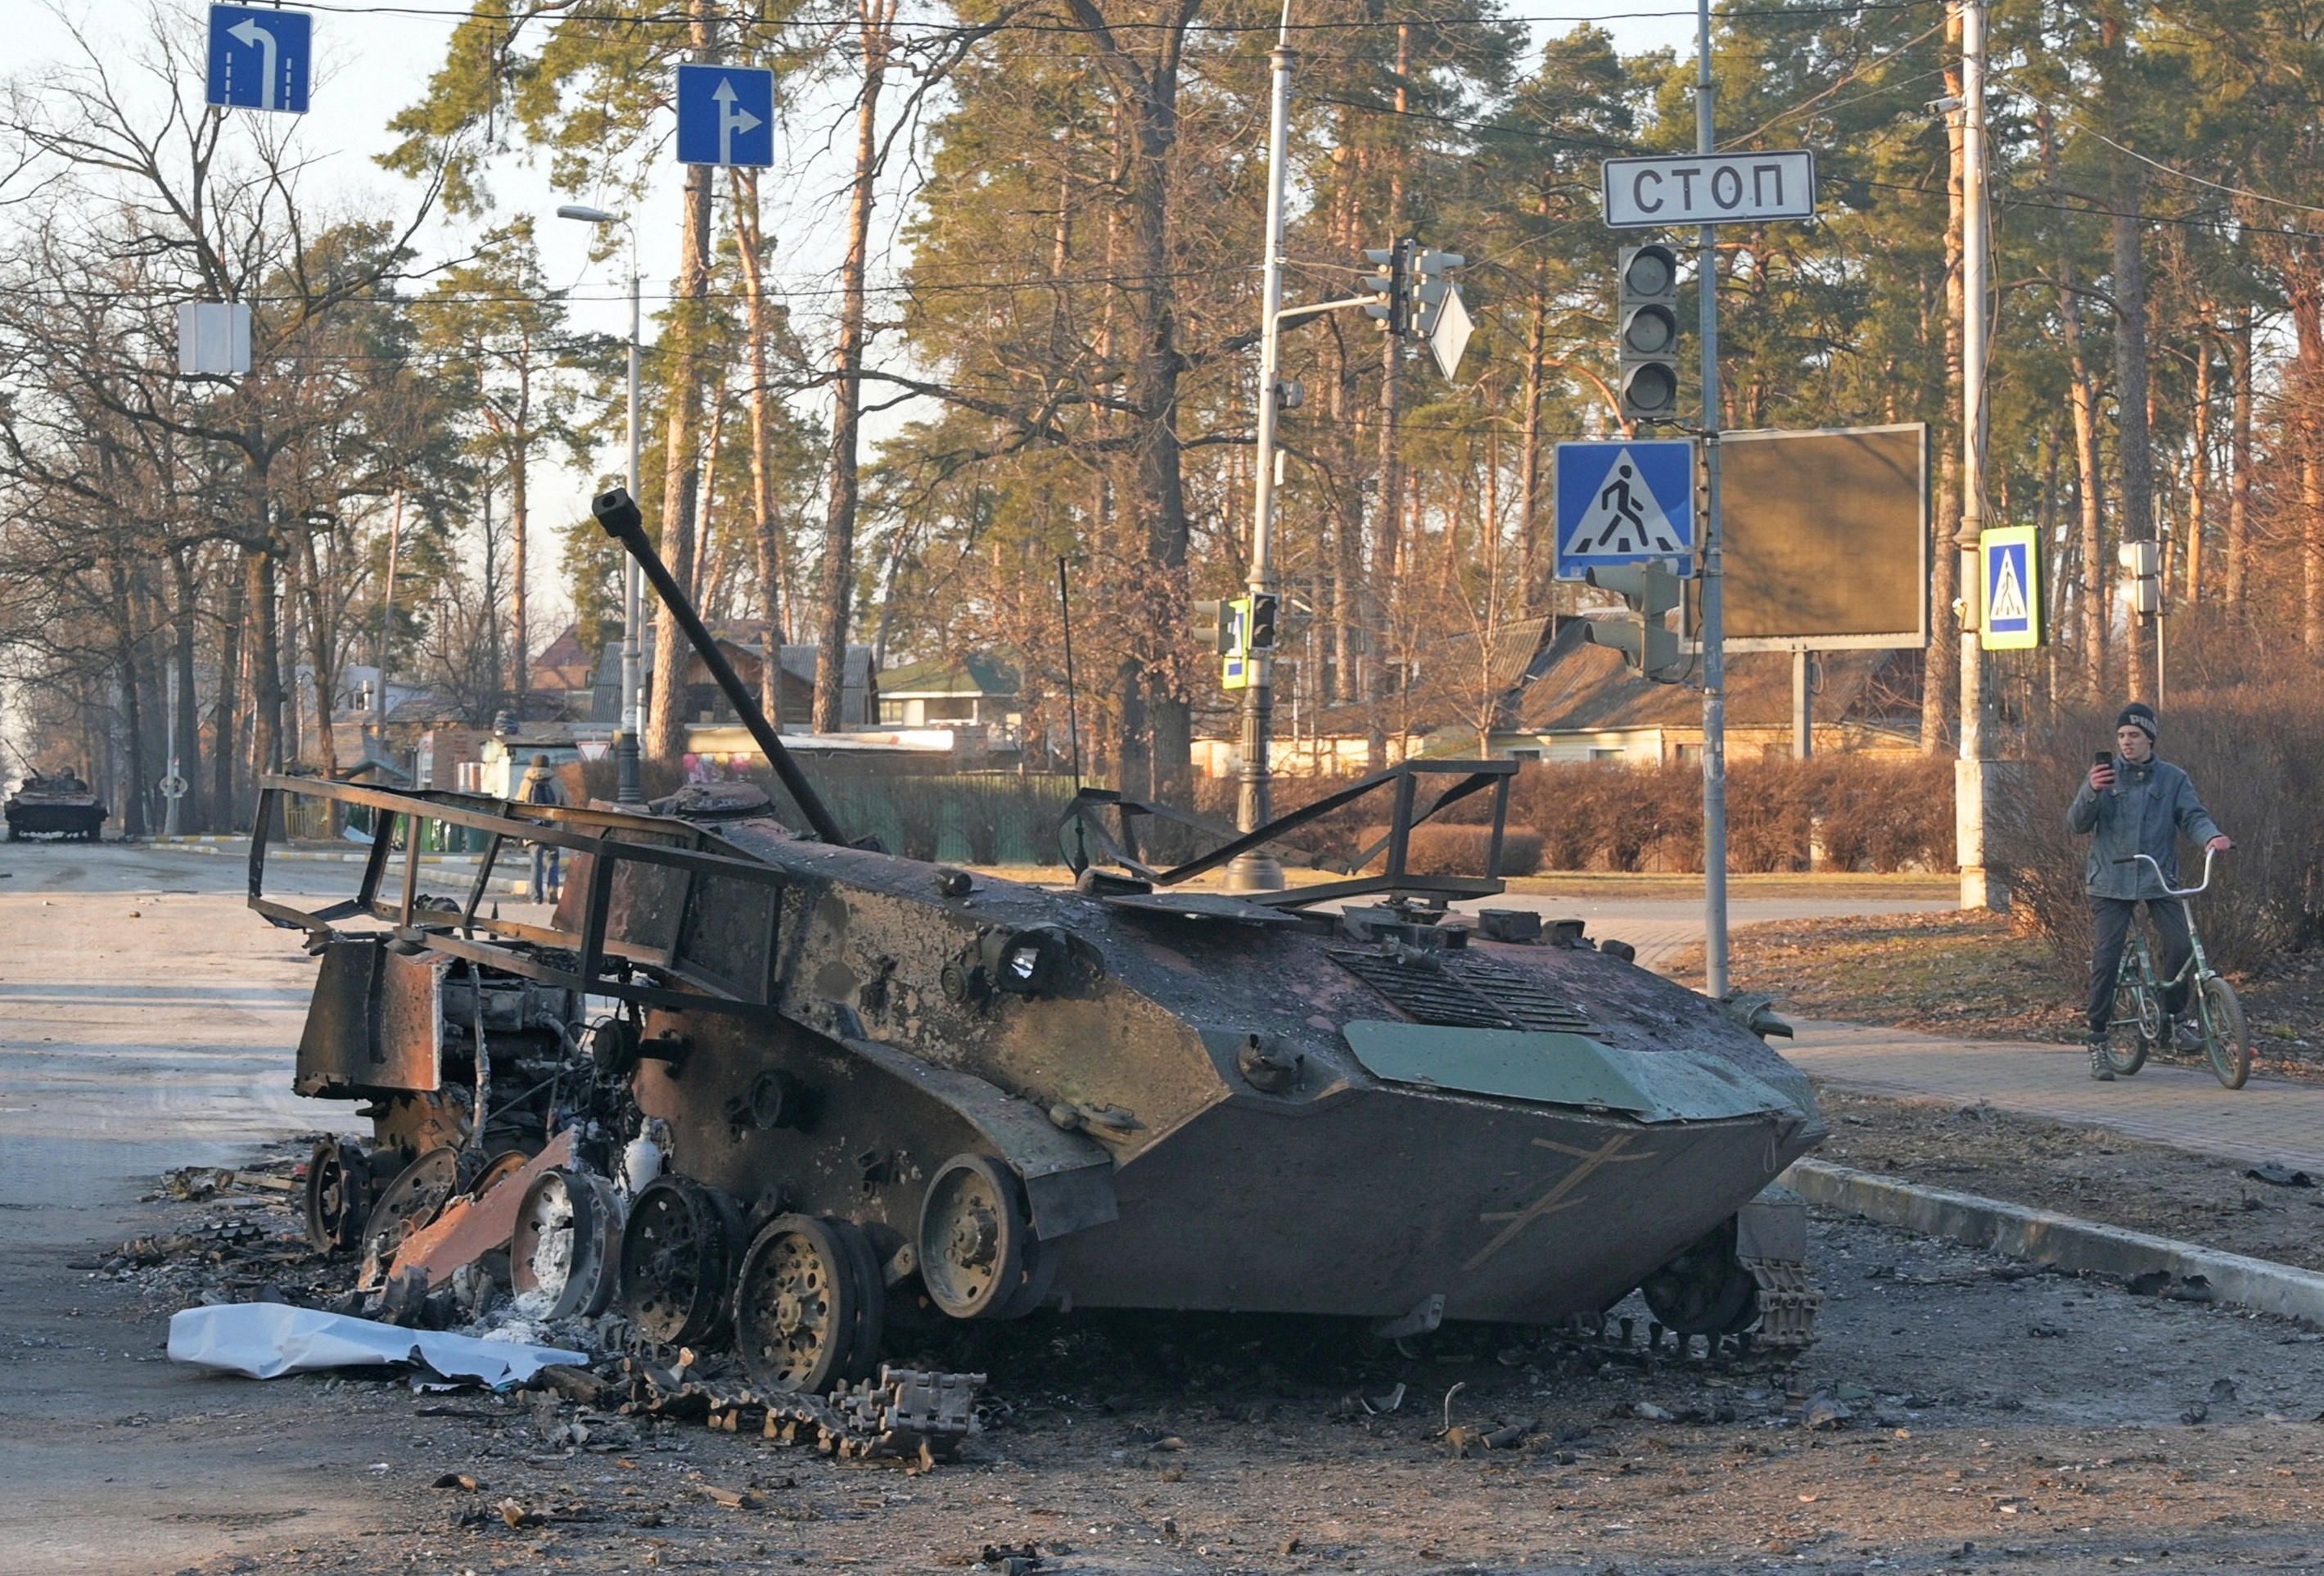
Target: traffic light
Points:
(1212, 626)
(1393, 310)
(1646, 641)
(1261, 630)
(1646, 322)
(1429, 288)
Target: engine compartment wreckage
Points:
(757, 1085)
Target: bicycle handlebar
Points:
(2167, 889)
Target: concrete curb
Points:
(2261, 1284)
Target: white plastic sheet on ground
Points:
(264, 1340)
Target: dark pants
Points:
(548, 879)
(2110, 919)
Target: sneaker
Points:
(2186, 1034)
(2098, 1068)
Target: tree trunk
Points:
(520, 457)
(2199, 479)
(1381, 602)
(132, 784)
(2239, 445)
(225, 731)
(1534, 563)
(687, 343)
(768, 535)
(322, 657)
(2082, 407)
(839, 518)
(1940, 678)
(265, 663)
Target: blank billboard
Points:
(1826, 538)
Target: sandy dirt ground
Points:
(1993, 1418)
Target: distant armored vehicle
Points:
(57, 806)
(824, 1082)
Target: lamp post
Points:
(632, 719)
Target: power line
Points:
(683, 19)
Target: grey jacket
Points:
(2149, 805)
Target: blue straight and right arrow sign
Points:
(726, 115)
(260, 58)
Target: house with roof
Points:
(973, 690)
(1576, 701)
(704, 704)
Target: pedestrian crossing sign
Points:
(2010, 613)
(1625, 502)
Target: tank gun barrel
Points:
(618, 513)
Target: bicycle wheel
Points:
(2224, 1039)
(2138, 1010)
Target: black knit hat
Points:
(2139, 715)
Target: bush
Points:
(1458, 851)
(1869, 813)
(2256, 753)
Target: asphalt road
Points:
(2032, 1423)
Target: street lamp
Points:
(632, 719)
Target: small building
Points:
(974, 690)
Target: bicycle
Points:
(2227, 1043)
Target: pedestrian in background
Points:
(2137, 803)
(540, 787)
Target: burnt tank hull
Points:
(1517, 1174)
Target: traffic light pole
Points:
(1714, 660)
(1258, 872)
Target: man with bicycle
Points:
(2137, 803)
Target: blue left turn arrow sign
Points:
(260, 58)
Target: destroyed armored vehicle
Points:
(756, 1082)
(57, 806)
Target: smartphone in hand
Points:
(2101, 769)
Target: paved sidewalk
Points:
(2269, 1119)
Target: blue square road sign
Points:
(726, 115)
(2009, 616)
(1625, 502)
(260, 58)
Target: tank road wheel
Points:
(678, 1258)
(567, 1244)
(1705, 1290)
(976, 1248)
(410, 1202)
(339, 1195)
(805, 1315)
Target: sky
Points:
(374, 59)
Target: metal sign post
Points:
(1714, 659)
(1258, 870)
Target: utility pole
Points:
(1972, 774)
(1255, 871)
(1714, 659)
